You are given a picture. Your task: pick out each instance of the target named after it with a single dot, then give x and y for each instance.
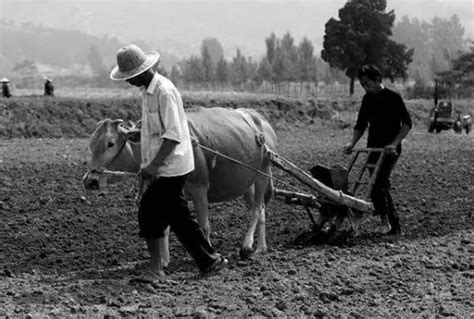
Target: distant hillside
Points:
(58, 48)
(178, 27)
(61, 48)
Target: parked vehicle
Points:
(444, 117)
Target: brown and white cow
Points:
(235, 133)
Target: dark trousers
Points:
(162, 205)
(380, 196)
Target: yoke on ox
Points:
(236, 133)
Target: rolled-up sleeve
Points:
(170, 116)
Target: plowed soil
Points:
(68, 252)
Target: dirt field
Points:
(68, 252)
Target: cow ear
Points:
(129, 124)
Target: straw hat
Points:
(132, 61)
(4, 80)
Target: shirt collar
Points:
(155, 82)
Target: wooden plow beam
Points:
(336, 197)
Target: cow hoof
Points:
(246, 253)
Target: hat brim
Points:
(152, 58)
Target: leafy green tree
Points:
(361, 36)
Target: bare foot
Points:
(148, 275)
(383, 229)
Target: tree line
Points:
(284, 61)
(363, 33)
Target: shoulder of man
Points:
(166, 86)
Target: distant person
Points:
(5, 87)
(167, 157)
(389, 122)
(48, 88)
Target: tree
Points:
(436, 43)
(222, 71)
(240, 69)
(193, 71)
(271, 43)
(95, 61)
(264, 71)
(461, 72)
(214, 48)
(207, 64)
(306, 61)
(361, 36)
(175, 75)
(290, 58)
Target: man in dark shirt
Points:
(389, 122)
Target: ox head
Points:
(108, 144)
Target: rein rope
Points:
(248, 166)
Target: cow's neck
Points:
(127, 160)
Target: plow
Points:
(332, 192)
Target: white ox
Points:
(234, 133)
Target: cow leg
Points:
(257, 219)
(201, 205)
(163, 244)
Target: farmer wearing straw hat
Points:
(5, 87)
(167, 157)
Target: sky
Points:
(242, 29)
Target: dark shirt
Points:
(48, 88)
(6, 90)
(384, 112)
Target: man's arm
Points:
(407, 124)
(356, 136)
(165, 150)
(392, 147)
